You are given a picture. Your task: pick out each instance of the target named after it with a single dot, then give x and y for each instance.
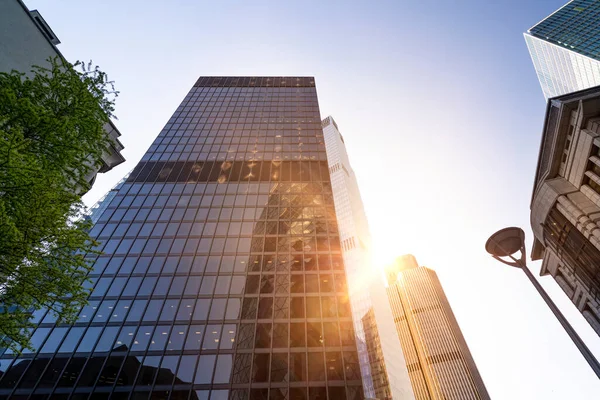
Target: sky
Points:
(441, 113)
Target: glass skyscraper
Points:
(221, 275)
(380, 356)
(565, 48)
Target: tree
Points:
(51, 137)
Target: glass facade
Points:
(565, 48)
(382, 366)
(221, 275)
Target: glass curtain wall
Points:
(221, 275)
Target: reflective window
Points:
(223, 369)
(125, 338)
(192, 286)
(107, 339)
(37, 339)
(120, 310)
(316, 368)
(194, 337)
(104, 311)
(169, 310)
(89, 339)
(148, 371)
(186, 308)
(167, 371)
(54, 340)
(201, 310)
(205, 369)
(177, 337)
(137, 310)
(297, 367)
(72, 340)
(187, 367)
(260, 371)
(142, 338)
(212, 337)
(217, 309)
(160, 338)
(279, 367)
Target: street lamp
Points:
(504, 244)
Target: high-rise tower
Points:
(565, 48)
(221, 274)
(382, 365)
(438, 359)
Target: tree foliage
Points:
(51, 137)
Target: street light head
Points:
(505, 243)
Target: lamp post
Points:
(508, 241)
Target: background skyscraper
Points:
(565, 48)
(371, 319)
(438, 359)
(221, 273)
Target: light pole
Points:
(508, 241)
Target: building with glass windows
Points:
(565, 48)
(438, 359)
(376, 339)
(221, 275)
(565, 207)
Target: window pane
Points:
(169, 310)
(89, 339)
(160, 337)
(186, 369)
(217, 310)
(54, 340)
(137, 310)
(104, 311)
(192, 286)
(177, 337)
(148, 371)
(37, 339)
(194, 338)
(205, 369)
(212, 337)
(72, 340)
(223, 369)
(142, 339)
(125, 338)
(168, 368)
(153, 310)
(201, 310)
(107, 339)
(120, 311)
(132, 286)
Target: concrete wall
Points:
(22, 44)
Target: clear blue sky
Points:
(441, 112)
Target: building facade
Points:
(565, 48)
(371, 319)
(27, 40)
(221, 275)
(438, 359)
(565, 208)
